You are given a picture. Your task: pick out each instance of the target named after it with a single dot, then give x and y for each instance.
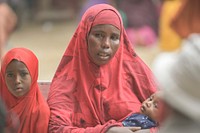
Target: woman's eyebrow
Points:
(9, 71)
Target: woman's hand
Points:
(123, 129)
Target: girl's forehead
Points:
(15, 64)
(15, 61)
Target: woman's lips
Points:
(103, 56)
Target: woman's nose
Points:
(106, 43)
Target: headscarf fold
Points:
(32, 109)
(85, 97)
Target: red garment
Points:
(32, 109)
(88, 98)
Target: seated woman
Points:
(100, 80)
(20, 92)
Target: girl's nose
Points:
(17, 79)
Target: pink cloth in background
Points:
(144, 36)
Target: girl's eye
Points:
(9, 75)
(23, 74)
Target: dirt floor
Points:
(49, 40)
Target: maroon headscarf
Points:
(85, 97)
(32, 109)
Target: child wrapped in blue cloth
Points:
(148, 115)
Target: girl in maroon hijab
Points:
(100, 79)
(20, 92)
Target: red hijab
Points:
(88, 98)
(32, 109)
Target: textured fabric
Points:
(32, 109)
(88, 98)
(113, 19)
(139, 120)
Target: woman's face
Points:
(18, 78)
(103, 43)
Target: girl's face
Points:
(18, 78)
(150, 107)
(103, 43)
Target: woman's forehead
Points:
(107, 17)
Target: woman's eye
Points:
(98, 35)
(115, 38)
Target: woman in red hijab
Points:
(100, 79)
(20, 92)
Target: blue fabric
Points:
(139, 120)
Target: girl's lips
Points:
(18, 89)
(102, 54)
